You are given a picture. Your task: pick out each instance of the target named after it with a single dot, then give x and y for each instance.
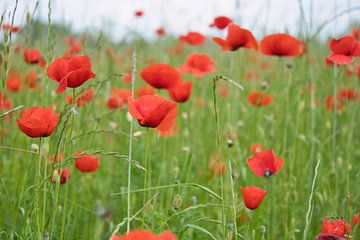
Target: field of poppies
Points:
(233, 136)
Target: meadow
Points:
(102, 168)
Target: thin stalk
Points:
(37, 204)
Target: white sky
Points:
(116, 17)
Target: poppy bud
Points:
(253, 196)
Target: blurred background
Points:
(116, 17)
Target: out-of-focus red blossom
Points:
(114, 102)
(86, 163)
(331, 102)
(181, 92)
(83, 98)
(154, 112)
(355, 218)
(145, 235)
(348, 94)
(161, 76)
(5, 103)
(335, 228)
(253, 196)
(13, 82)
(145, 90)
(160, 32)
(259, 99)
(32, 56)
(193, 38)
(38, 122)
(216, 166)
(9, 27)
(221, 22)
(281, 44)
(61, 175)
(30, 79)
(73, 49)
(223, 90)
(256, 147)
(127, 78)
(236, 38)
(118, 97)
(42, 63)
(265, 163)
(355, 32)
(343, 50)
(18, 48)
(198, 64)
(139, 13)
(71, 71)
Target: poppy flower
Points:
(355, 219)
(259, 99)
(61, 175)
(282, 45)
(181, 92)
(336, 227)
(5, 103)
(13, 82)
(7, 26)
(30, 79)
(160, 32)
(265, 163)
(257, 147)
(330, 103)
(38, 122)
(114, 102)
(83, 98)
(71, 71)
(160, 75)
(198, 64)
(32, 56)
(253, 196)
(146, 90)
(236, 38)
(343, 50)
(348, 94)
(154, 112)
(221, 22)
(139, 13)
(145, 235)
(127, 78)
(87, 163)
(193, 38)
(355, 32)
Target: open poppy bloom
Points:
(61, 175)
(13, 82)
(71, 71)
(160, 32)
(193, 38)
(145, 235)
(259, 99)
(343, 50)
(38, 122)
(221, 22)
(161, 75)
(154, 112)
(198, 64)
(87, 163)
(32, 56)
(282, 45)
(181, 92)
(236, 38)
(337, 229)
(265, 163)
(253, 196)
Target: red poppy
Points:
(236, 38)
(154, 112)
(32, 55)
(348, 94)
(114, 102)
(30, 79)
(61, 175)
(70, 71)
(343, 50)
(146, 90)
(336, 227)
(145, 235)
(87, 163)
(7, 26)
(181, 92)
(355, 32)
(198, 64)
(330, 104)
(257, 147)
(13, 82)
(127, 78)
(160, 32)
(38, 122)
(83, 98)
(123, 94)
(259, 99)
(74, 48)
(253, 196)
(355, 218)
(281, 44)
(139, 13)
(265, 163)
(221, 22)
(161, 75)
(193, 38)
(5, 103)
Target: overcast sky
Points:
(180, 16)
